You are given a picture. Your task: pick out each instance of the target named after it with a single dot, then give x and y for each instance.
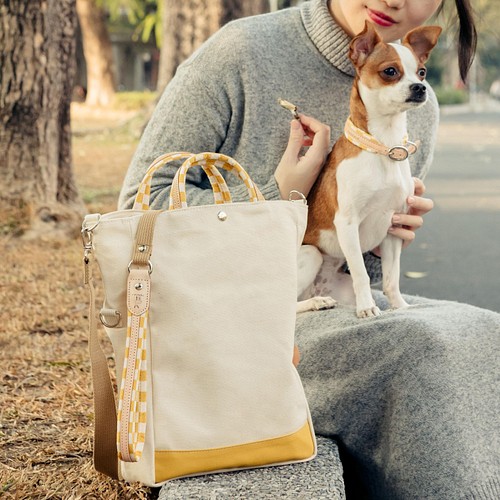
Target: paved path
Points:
(458, 249)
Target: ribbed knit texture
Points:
(486, 491)
(412, 396)
(330, 39)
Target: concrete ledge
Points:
(318, 479)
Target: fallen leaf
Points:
(416, 274)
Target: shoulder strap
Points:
(105, 455)
(105, 415)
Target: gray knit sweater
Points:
(225, 99)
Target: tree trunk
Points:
(98, 54)
(234, 9)
(187, 24)
(37, 188)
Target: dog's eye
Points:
(422, 72)
(390, 72)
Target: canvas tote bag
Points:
(200, 309)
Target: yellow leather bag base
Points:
(287, 449)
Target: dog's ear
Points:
(422, 40)
(363, 44)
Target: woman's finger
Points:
(407, 235)
(295, 172)
(419, 206)
(409, 221)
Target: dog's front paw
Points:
(368, 313)
(320, 303)
(315, 304)
(400, 305)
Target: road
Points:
(456, 255)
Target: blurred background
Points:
(135, 45)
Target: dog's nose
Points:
(418, 89)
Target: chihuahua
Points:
(366, 177)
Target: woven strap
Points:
(209, 162)
(131, 420)
(105, 459)
(110, 429)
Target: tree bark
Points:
(98, 54)
(186, 24)
(37, 188)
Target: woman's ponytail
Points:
(467, 37)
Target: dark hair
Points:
(467, 37)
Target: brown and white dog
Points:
(367, 177)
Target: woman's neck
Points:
(328, 37)
(338, 16)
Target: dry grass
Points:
(46, 413)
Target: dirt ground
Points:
(46, 414)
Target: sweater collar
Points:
(328, 37)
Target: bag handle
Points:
(142, 198)
(209, 162)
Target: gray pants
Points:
(411, 396)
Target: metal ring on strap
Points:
(299, 196)
(412, 147)
(150, 266)
(110, 325)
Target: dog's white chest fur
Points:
(371, 188)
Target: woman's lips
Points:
(380, 18)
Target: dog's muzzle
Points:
(418, 93)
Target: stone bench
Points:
(318, 479)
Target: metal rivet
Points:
(222, 216)
(138, 286)
(142, 248)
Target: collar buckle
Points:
(398, 153)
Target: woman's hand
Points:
(300, 172)
(405, 225)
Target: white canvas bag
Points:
(200, 308)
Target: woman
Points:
(410, 396)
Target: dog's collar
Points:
(365, 141)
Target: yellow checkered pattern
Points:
(131, 425)
(219, 186)
(210, 162)
(142, 197)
